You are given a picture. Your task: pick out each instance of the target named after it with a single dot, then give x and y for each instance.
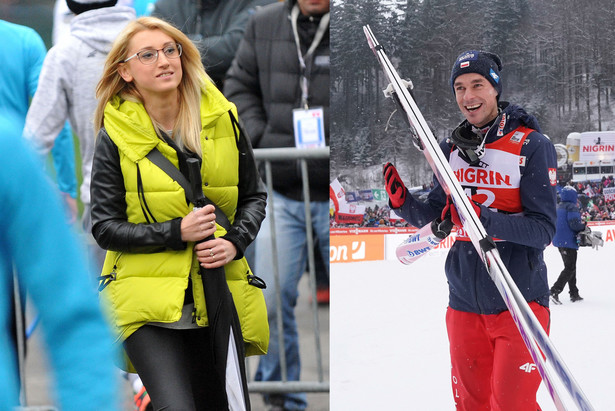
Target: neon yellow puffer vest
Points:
(151, 287)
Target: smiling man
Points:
(507, 168)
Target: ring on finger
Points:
(211, 253)
(213, 224)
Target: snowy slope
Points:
(389, 348)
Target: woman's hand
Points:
(199, 224)
(215, 253)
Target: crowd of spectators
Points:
(381, 217)
(374, 216)
(592, 203)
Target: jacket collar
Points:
(510, 118)
(131, 128)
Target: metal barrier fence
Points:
(267, 156)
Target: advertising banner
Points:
(355, 248)
(609, 193)
(597, 145)
(366, 195)
(352, 196)
(374, 244)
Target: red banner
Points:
(343, 218)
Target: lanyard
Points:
(322, 27)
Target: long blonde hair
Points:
(188, 124)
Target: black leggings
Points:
(176, 368)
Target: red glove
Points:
(450, 211)
(394, 186)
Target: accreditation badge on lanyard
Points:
(308, 122)
(309, 127)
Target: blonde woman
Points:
(155, 94)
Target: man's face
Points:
(313, 7)
(476, 98)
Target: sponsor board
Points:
(597, 145)
(374, 244)
(354, 248)
(371, 230)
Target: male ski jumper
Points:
(509, 174)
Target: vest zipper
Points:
(112, 276)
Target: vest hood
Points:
(98, 28)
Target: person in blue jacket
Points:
(569, 224)
(508, 169)
(26, 52)
(41, 250)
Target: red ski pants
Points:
(491, 366)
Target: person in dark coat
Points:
(281, 69)
(569, 225)
(215, 26)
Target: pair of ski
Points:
(533, 335)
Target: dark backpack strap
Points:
(156, 157)
(237, 129)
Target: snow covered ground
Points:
(389, 348)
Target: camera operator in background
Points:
(569, 225)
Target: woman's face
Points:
(160, 78)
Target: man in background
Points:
(569, 225)
(278, 80)
(215, 26)
(66, 90)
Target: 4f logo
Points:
(528, 367)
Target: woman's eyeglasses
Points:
(150, 56)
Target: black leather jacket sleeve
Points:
(252, 200)
(112, 231)
(110, 226)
